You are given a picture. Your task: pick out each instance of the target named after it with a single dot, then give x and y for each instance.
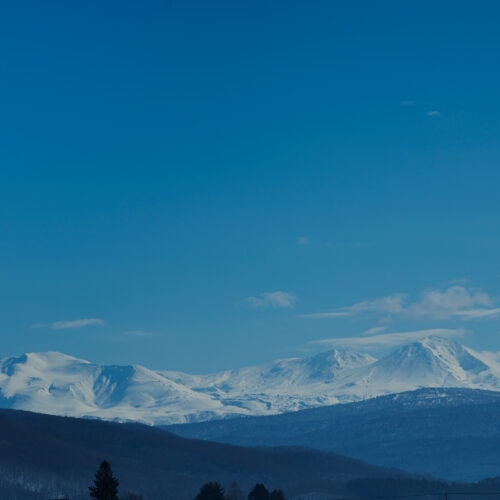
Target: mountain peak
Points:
(452, 353)
(436, 342)
(428, 362)
(52, 357)
(327, 364)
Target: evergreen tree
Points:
(259, 492)
(277, 495)
(105, 483)
(211, 491)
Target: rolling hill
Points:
(445, 432)
(44, 456)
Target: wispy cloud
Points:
(388, 305)
(325, 315)
(478, 313)
(457, 302)
(434, 113)
(491, 357)
(303, 240)
(276, 299)
(390, 339)
(407, 102)
(70, 324)
(374, 330)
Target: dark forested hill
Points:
(58, 456)
(448, 433)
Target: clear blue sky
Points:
(203, 185)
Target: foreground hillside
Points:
(62, 385)
(449, 433)
(57, 456)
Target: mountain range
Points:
(56, 383)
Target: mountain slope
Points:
(57, 456)
(451, 433)
(59, 384)
(284, 385)
(430, 362)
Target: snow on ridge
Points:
(56, 383)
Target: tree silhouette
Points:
(259, 492)
(211, 491)
(105, 483)
(277, 495)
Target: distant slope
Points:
(430, 362)
(449, 433)
(58, 456)
(58, 384)
(55, 383)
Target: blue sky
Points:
(206, 185)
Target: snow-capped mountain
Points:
(54, 383)
(284, 385)
(59, 384)
(430, 362)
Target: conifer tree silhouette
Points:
(105, 483)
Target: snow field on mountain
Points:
(58, 384)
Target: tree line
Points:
(105, 487)
(214, 491)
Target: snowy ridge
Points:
(58, 384)
(430, 362)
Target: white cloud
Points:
(491, 357)
(273, 299)
(434, 112)
(332, 314)
(478, 313)
(390, 339)
(407, 103)
(454, 302)
(374, 330)
(70, 324)
(388, 305)
(303, 240)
